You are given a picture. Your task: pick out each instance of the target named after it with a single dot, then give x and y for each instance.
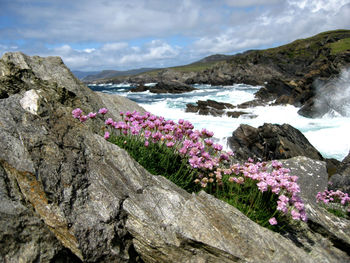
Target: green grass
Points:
(337, 212)
(161, 160)
(340, 46)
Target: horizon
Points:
(118, 35)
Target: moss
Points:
(340, 46)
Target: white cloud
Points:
(116, 55)
(149, 33)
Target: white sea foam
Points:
(152, 84)
(329, 134)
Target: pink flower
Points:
(295, 214)
(146, 143)
(273, 221)
(262, 186)
(83, 118)
(106, 136)
(92, 115)
(109, 121)
(103, 111)
(170, 144)
(77, 113)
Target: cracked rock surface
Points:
(67, 195)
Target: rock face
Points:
(341, 180)
(270, 141)
(313, 177)
(67, 195)
(332, 97)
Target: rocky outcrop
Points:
(270, 141)
(331, 97)
(68, 195)
(165, 87)
(313, 178)
(214, 108)
(341, 179)
(209, 107)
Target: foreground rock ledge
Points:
(67, 195)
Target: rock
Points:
(331, 97)
(271, 141)
(165, 87)
(140, 88)
(209, 107)
(274, 89)
(341, 179)
(313, 178)
(68, 195)
(171, 87)
(237, 114)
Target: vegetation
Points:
(190, 158)
(340, 46)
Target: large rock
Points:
(165, 87)
(270, 141)
(313, 178)
(209, 107)
(68, 195)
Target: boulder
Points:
(171, 87)
(165, 87)
(68, 195)
(271, 141)
(209, 107)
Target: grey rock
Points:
(323, 230)
(270, 141)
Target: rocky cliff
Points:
(67, 195)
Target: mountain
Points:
(107, 74)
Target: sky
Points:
(94, 35)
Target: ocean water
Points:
(329, 135)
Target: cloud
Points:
(286, 22)
(155, 53)
(138, 33)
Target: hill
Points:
(107, 74)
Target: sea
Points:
(329, 134)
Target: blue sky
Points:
(113, 34)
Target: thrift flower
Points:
(106, 136)
(103, 111)
(77, 113)
(273, 221)
(92, 115)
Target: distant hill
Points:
(108, 74)
(82, 74)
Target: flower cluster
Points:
(213, 165)
(78, 114)
(278, 181)
(336, 197)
